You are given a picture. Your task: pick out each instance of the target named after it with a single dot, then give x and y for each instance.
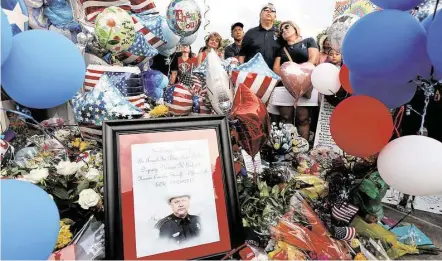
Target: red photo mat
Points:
(127, 200)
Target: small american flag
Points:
(92, 8)
(179, 99)
(345, 233)
(344, 212)
(118, 76)
(260, 84)
(193, 82)
(140, 6)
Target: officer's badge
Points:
(176, 234)
(198, 225)
(275, 37)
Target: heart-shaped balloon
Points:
(297, 77)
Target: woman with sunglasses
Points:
(298, 50)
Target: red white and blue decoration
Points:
(17, 14)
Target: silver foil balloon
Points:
(339, 29)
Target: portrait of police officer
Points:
(179, 226)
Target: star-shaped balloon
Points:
(104, 102)
(258, 65)
(152, 29)
(251, 120)
(256, 75)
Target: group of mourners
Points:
(279, 45)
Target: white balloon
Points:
(189, 39)
(325, 79)
(219, 87)
(412, 165)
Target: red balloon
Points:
(344, 78)
(361, 126)
(253, 121)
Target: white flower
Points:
(62, 134)
(88, 198)
(66, 168)
(36, 175)
(92, 174)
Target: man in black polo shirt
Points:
(237, 35)
(262, 39)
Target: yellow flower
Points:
(64, 236)
(160, 110)
(76, 143)
(83, 145)
(360, 256)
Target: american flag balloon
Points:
(118, 77)
(142, 6)
(178, 99)
(103, 102)
(93, 8)
(256, 75)
(152, 28)
(17, 14)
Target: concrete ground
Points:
(429, 223)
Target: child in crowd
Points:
(335, 57)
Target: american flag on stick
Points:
(344, 212)
(260, 84)
(118, 76)
(345, 233)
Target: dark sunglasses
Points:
(285, 27)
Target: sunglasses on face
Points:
(285, 27)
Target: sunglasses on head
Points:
(269, 10)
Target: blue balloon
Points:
(397, 51)
(30, 221)
(392, 94)
(426, 23)
(44, 69)
(154, 83)
(435, 40)
(403, 5)
(6, 37)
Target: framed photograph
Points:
(170, 189)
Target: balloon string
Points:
(435, 9)
(205, 16)
(424, 113)
(398, 120)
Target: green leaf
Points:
(103, 33)
(113, 42)
(84, 184)
(275, 190)
(61, 193)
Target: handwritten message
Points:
(170, 163)
(323, 136)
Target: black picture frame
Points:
(112, 190)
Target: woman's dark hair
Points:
(190, 50)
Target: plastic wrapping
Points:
(389, 241)
(301, 229)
